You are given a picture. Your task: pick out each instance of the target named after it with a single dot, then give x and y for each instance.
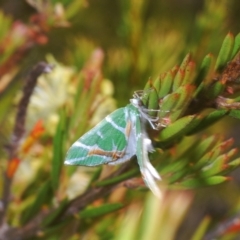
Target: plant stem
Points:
(18, 133)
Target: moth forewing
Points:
(112, 141)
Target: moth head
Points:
(136, 102)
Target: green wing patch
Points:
(106, 142)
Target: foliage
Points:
(42, 198)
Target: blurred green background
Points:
(140, 39)
(156, 35)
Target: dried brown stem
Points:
(18, 132)
(34, 226)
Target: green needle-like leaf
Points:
(189, 72)
(201, 230)
(178, 176)
(194, 124)
(153, 102)
(215, 90)
(43, 197)
(177, 82)
(219, 165)
(215, 167)
(166, 84)
(216, 151)
(168, 104)
(234, 113)
(185, 61)
(147, 90)
(130, 226)
(176, 166)
(216, 180)
(176, 129)
(104, 209)
(225, 52)
(203, 160)
(233, 164)
(50, 219)
(236, 46)
(195, 183)
(118, 179)
(157, 84)
(209, 120)
(58, 151)
(185, 95)
(203, 73)
(179, 78)
(204, 146)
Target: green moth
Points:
(117, 138)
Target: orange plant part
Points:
(36, 132)
(234, 228)
(12, 167)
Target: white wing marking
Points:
(99, 134)
(79, 144)
(109, 120)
